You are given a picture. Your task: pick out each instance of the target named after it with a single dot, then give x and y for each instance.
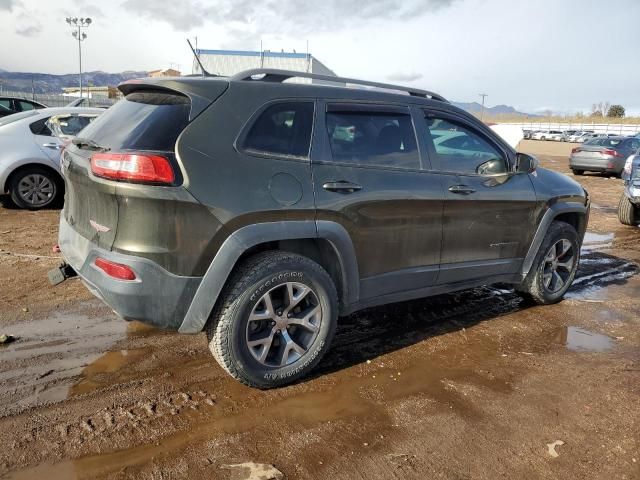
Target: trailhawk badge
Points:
(99, 228)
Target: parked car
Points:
(545, 134)
(629, 205)
(260, 210)
(16, 105)
(605, 154)
(576, 137)
(30, 143)
(591, 136)
(527, 134)
(557, 136)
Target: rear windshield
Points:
(143, 120)
(612, 142)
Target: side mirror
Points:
(525, 163)
(495, 166)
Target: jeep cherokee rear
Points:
(260, 211)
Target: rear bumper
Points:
(156, 297)
(597, 164)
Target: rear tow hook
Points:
(62, 273)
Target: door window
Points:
(282, 129)
(6, 103)
(461, 150)
(372, 138)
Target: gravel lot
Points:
(474, 384)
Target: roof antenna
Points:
(204, 72)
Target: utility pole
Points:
(483, 95)
(77, 24)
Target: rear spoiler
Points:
(201, 92)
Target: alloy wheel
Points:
(558, 265)
(36, 189)
(283, 324)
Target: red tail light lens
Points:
(115, 270)
(133, 167)
(612, 153)
(575, 150)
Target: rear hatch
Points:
(145, 121)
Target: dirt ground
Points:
(469, 385)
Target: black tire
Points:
(228, 327)
(577, 171)
(47, 197)
(627, 212)
(543, 138)
(533, 287)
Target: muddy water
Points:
(50, 354)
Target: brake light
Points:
(575, 150)
(115, 270)
(133, 167)
(612, 153)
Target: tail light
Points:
(133, 167)
(611, 153)
(115, 270)
(575, 150)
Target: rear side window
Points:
(26, 106)
(40, 127)
(282, 129)
(6, 103)
(373, 138)
(143, 120)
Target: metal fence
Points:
(59, 100)
(616, 128)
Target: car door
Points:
(48, 143)
(488, 216)
(368, 178)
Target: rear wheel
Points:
(627, 212)
(577, 171)
(554, 267)
(275, 319)
(34, 188)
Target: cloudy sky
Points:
(561, 55)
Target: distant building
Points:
(167, 72)
(93, 92)
(230, 62)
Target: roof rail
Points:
(279, 76)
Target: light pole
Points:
(77, 24)
(483, 95)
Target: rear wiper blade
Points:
(89, 144)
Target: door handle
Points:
(52, 145)
(461, 189)
(342, 186)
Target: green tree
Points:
(616, 111)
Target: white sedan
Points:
(30, 144)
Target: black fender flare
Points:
(249, 236)
(549, 216)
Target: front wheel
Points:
(628, 213)
(554, 267)
(577, 171)
(275, 319)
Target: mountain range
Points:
(49, 83)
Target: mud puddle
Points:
(581, 340)
(597, 241)
(49, 355)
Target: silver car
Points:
(30, 144)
